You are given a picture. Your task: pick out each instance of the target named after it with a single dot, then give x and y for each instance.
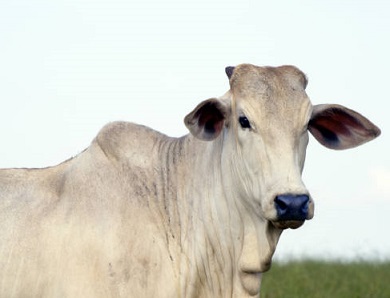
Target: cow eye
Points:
(244, 122)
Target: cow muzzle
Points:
(291, 210)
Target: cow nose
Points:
(292, 207)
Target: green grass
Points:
(317, 279)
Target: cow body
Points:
(118, 215)
(140, 214)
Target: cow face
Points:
(264, 120)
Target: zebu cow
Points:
(140, 214)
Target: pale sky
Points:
(69, 67)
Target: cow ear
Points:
(207, 120)
(337, 127)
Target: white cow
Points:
(140, 214)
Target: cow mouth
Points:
(288, 224)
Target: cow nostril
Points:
(305, 206)
(280, 203)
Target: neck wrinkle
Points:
(205, 218)
(204, 222)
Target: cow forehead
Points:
(271, 93)
(251, 78)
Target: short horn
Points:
(229, 71)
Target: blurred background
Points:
(68, 67)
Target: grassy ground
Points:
(316, 279)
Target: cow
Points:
(141, 214)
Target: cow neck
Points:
(191, 176)
(207, 225)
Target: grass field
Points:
(317, 279)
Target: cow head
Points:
(264, 120)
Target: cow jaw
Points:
(288, 224)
